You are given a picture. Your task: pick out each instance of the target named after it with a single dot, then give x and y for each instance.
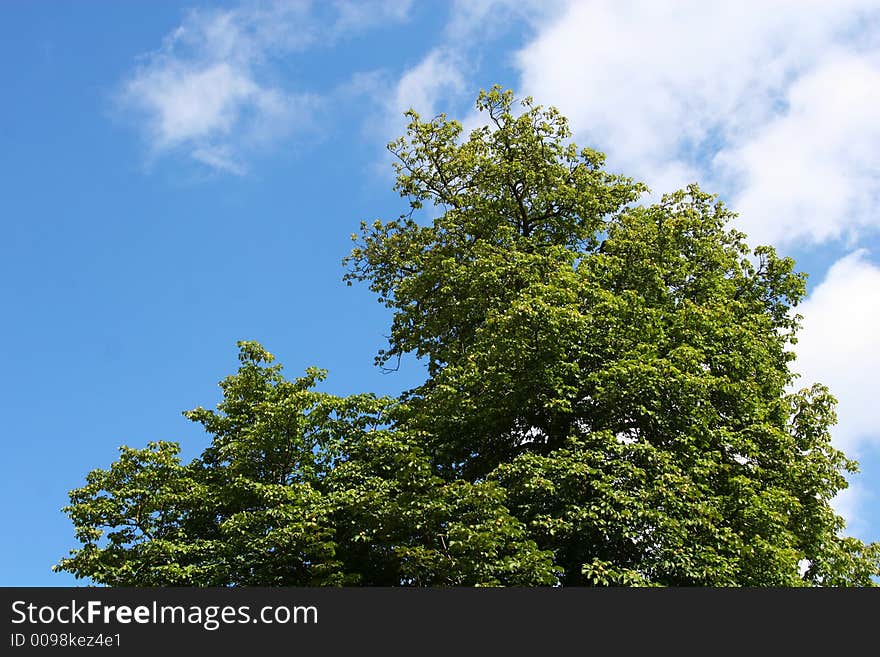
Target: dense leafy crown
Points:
(607, 402)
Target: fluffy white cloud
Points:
(812, 172)
(839, 345)
(192, 103)
(210, 92)
(759, 100)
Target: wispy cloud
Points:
(436, 83)
(442, 80)
(211, 92)
(434, 80)
(473, 22)
(357, 15)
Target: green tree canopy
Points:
(606, 403)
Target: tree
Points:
(298, 488)
(607, 403)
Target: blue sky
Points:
(177, 177)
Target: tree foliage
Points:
(608, 402)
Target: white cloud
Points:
(438, 76)
(839, 345)
(431, 86)
(813, 172)
(210, 90)
(441, 80)
(662, 88)
(200, 92)
(193, 103)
